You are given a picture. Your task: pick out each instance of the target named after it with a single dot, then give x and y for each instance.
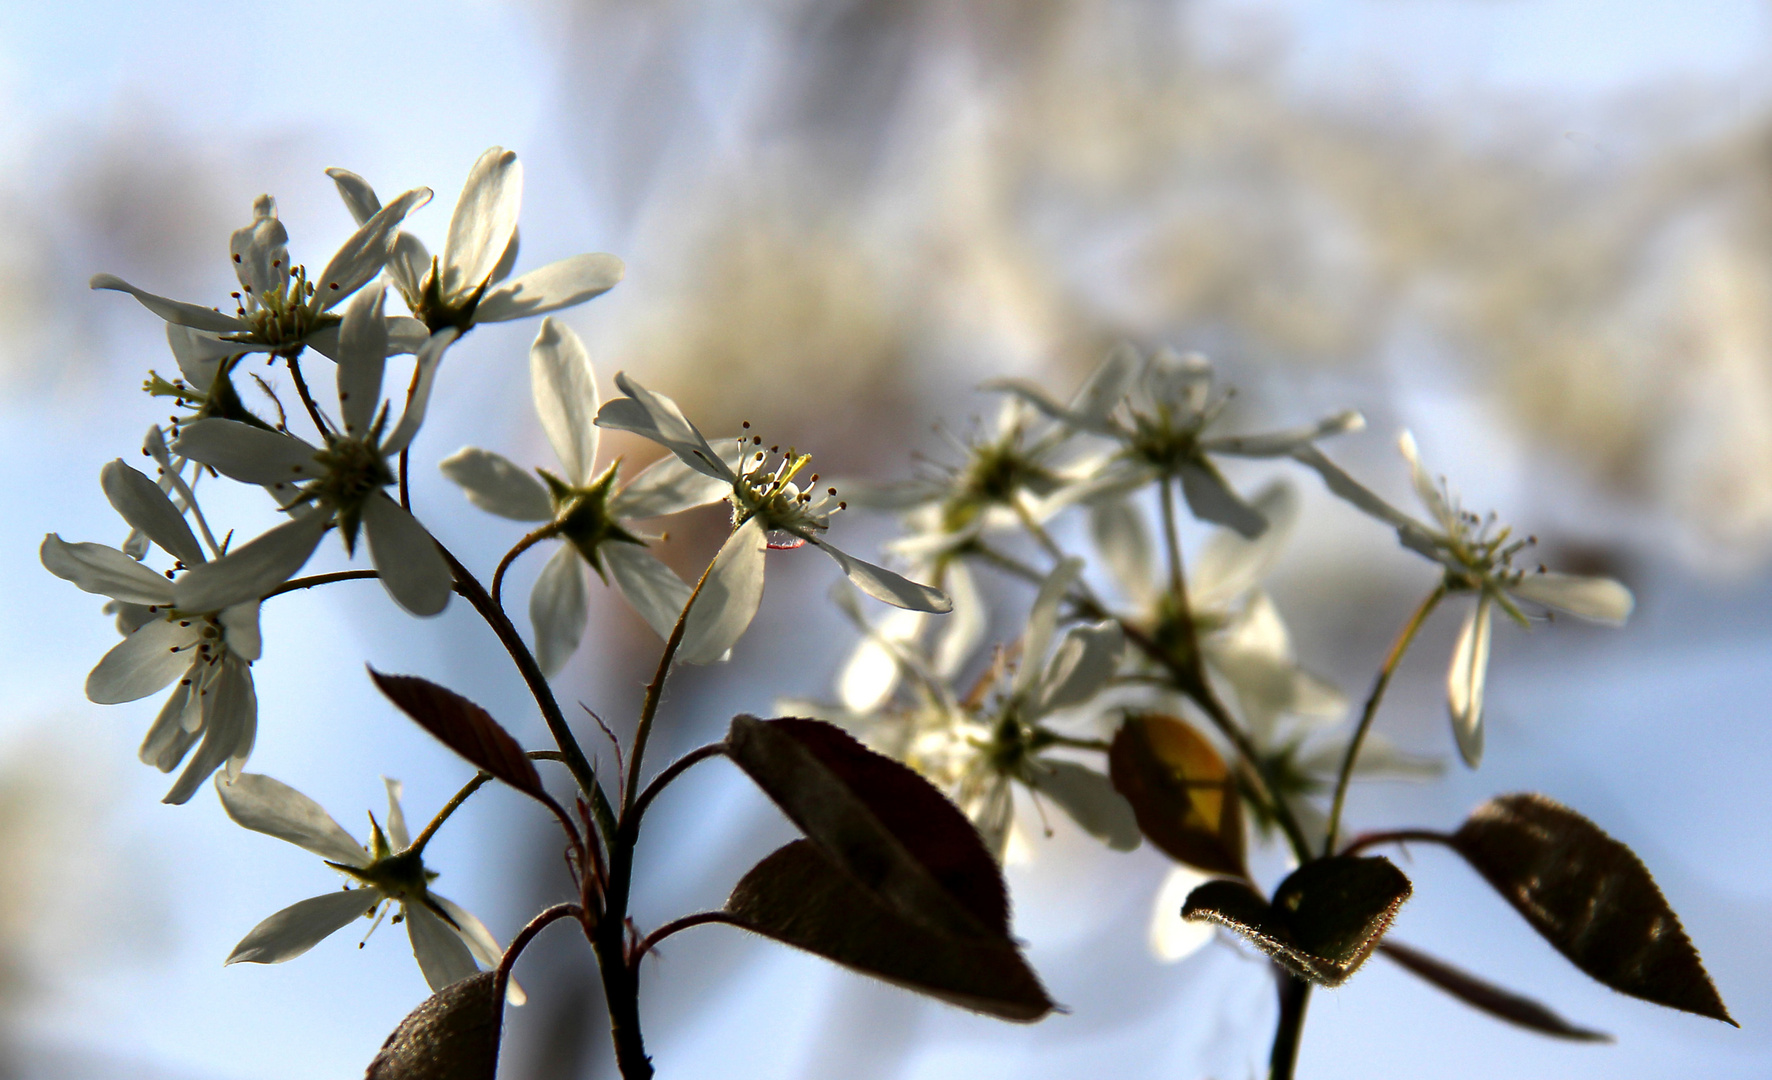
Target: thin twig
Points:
(663, 779)
(529, 541)
(320, 579)
(700, 918)
(524, 936)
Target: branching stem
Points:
(529, 541)
(700, 918)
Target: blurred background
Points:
(1537, 232)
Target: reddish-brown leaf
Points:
(453, 1035)
(799, 897)
(1478, 994)
(1181, 792)
(464, 727)
(1591, 897)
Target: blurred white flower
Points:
(1474, 556)
(209, 651)
(583, 507)
(467, 286)
(446, 939)
(1162, 429)
(769, 510)
(278, 310)
(343, 484)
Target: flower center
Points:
(791, 516)
(355, 470)
(282, 317)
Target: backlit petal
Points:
(146, 507)
(559, 608)
(104, 570)
(564, 386)
(249, 572)
(1465, 680)
(1597, 599)
(654, 589)
(728, 599)
(442, 955)
(299, 927)
(484, 219)
(497, 485)
(174, 311)
(269, 806)
(556, 285)
(412, 569)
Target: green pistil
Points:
(582, 516)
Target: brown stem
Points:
(1295, 996)
(307, 399)
(320, 579)
(529, 541)
(630, 821)
(524, 937)
(700, 918)
(1396, 836)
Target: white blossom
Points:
(342, 484)
(446, 940)
(207, 652)
(467, 285)
(769, 510)
(583, 507)
(1474, 555)
(278, 309)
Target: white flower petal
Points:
(1043, 621)
(508, 261)
(412, 569)
(1081, 666)
(564, 386)
(559, 609)
(198, 354)
(442, 955)
(1124, 541)
(480, 942)
(1597, 599)
(1282, 443)
(484, 219)
(106, 571)
(556, 285)
(886, 586)
(249, 572)
(230, 723)
(174, 311)
(1173, 938)
(142, 663)
(362, 356)
(1425, 488)
(272, 807)
(397, 834)
(652, 588)
(251, 455)
(667, 486)
(497, 485)
(168, 741)
(366, 251)
(240, 630)
(1108, 385)
(359, 197)
(873, 669)
(1211, 499)
(1091, 801)
(425, 364)
(1465, 679)
(1178, 380)
(146, 507)
(1346, 487)
(1230, 565)
(301, 926)
(260, 250)
(729, 597)
(962, 632)
(658, 418)
(406, 335)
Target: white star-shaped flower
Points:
(208, 651)
(1474, 556)
(769, 510)
(342, 484)
(446, 939)
(583, 507)
(467, 286)
(278, 309)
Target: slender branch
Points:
(524, 937)
(498, 576)
(449, 808)
(406, 451)
(1396, 836)
(571, 753)
(1172, 541)
(307, 399)
(630, 821)
(700, 918)
(320, 579)
(655, 691)
(1391, 660)
(1056, 739)
(1295, 996)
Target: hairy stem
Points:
(301, 388)
(1391, 660)
(529, 541)
(524, 936)
(700, 918)
(1295, 996)
(320, 579)
(450, 807)
(655, 692)
(631, 820)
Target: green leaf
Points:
(1324, 920)
(800, 897)
(452, 1036)
(1591, 897)
(892, 831)
(1478, 994)
(1181, 793)
(464, 727)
